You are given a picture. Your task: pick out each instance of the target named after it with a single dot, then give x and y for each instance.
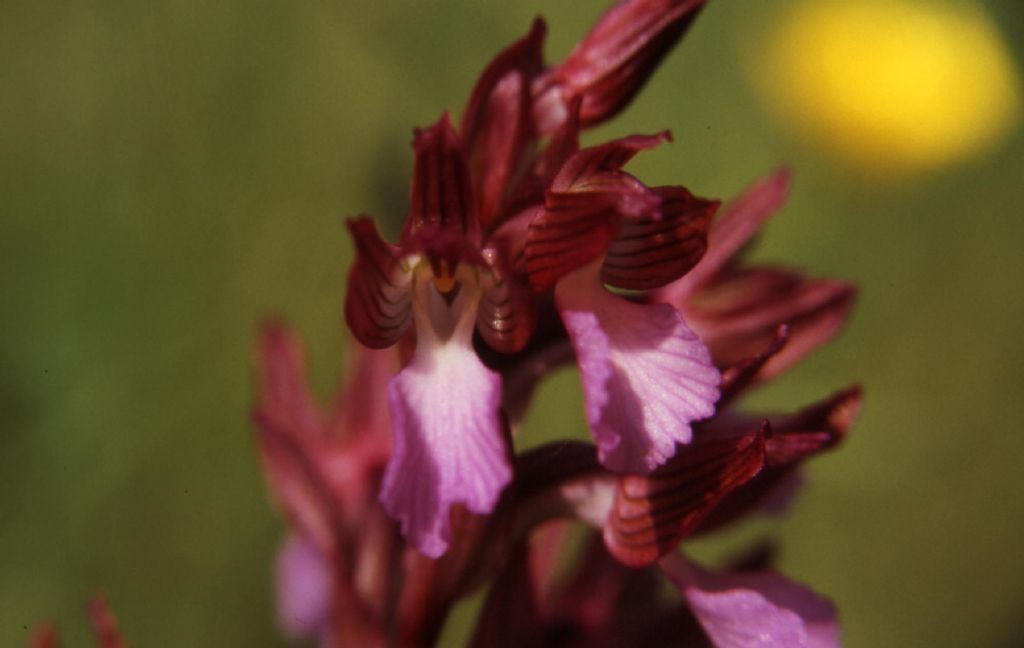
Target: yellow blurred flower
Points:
(892, 85)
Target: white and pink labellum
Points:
(449, 448)
(646, 376)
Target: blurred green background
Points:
(172, 172)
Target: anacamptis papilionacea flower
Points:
(522, 251)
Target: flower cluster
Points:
(522, 251)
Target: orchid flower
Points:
(449, 443)
(646, 375)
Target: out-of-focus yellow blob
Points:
(894, 85)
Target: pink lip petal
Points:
(449, 446)
(646, 376)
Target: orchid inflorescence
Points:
(522, 251)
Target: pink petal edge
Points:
(303, 589)
(754, 609)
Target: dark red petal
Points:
(506, 313)
(589, 163)
(557, 480)
(744, 216)
(548, 349)
(738, 313)
(510, 239)
(289, 426)
(813, 429)
(378, 305)
(736, 224)
(285, 400)
(104, 623)
(564, 143)
(573, 229)
(826, 307)
(653, 513)
(442, 199)
(619, 54)
(552, 465)
(497, 126)
(650, 252)
(583, 210)
(790, 440)
(741, 374)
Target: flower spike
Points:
(521, 252)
